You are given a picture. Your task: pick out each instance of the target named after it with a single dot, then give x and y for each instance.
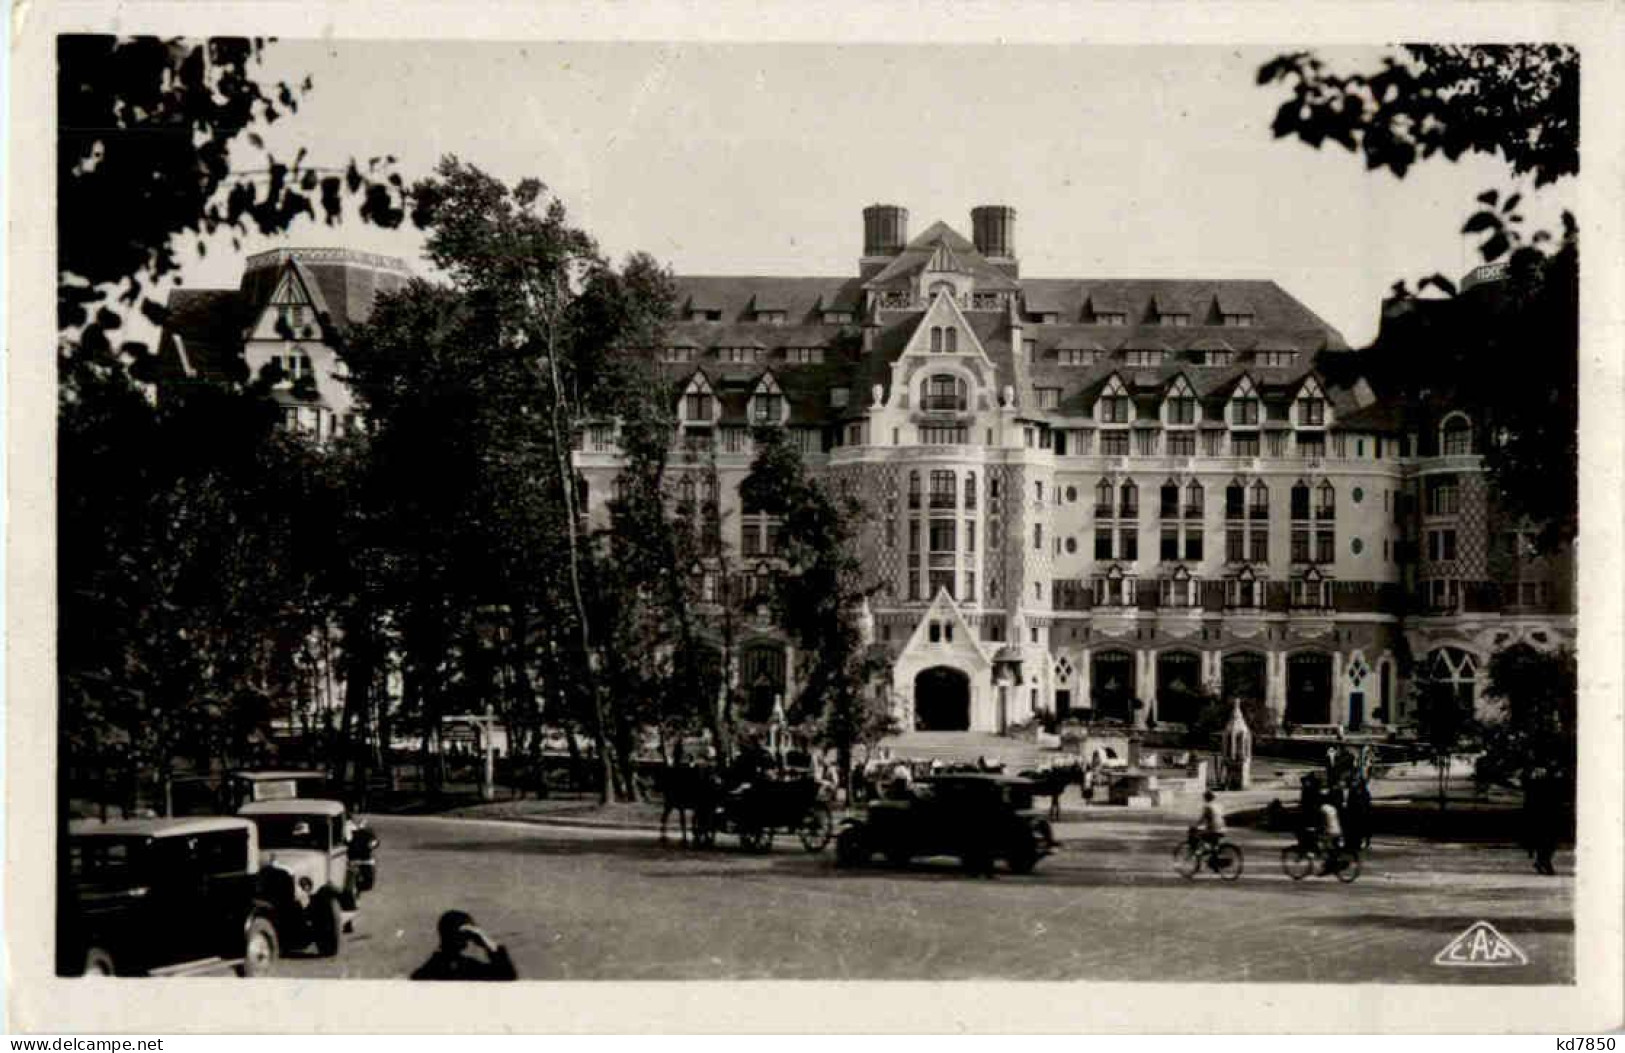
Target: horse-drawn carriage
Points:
(753, 810)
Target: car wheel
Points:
(260, 948)
(1023, 857)
(327, 916)
(98, 963)
(849, 848)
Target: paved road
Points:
(576, 903)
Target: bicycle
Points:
(1222, 857)
(1301, 860)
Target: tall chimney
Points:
(993, 228)
(885, 230)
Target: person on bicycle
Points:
(1210, 827)
(1331, 831)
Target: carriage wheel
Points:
(817, 828)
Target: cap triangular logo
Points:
(1481, 945)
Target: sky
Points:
(1121, 161)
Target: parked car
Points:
(975, 818)
(162, 897)
(315, 862)
(249, 785)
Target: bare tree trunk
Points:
(562, 451)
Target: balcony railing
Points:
(942, 500)
(1103, 511)
(944, 403)
(1193, 511)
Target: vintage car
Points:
(315, 862)
(162, 897)
(248, 785)
(976, 818)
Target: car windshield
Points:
(292, 831)
(105, 861)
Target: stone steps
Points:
(967, 747)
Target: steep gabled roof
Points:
(919, 254)
(739, 297)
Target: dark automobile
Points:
(162, 897)
(978, 819)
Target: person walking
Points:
(1542, 821)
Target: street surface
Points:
(575, 903)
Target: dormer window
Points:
(1178, 319)
(678, 353)
(771, 317)
(1244, 405)
(1236, 321)
(1219, 358)
(1180, 405)
(1111, 317)
(1077, 357)
(1114, 405)
(1049, 398)
(1144, 357)
(1311, 405)
(740, 355)
(699, 406)
(767, 403)
(1046, 317)
(837, 317)
(804, 356)
(1276, 357)
(704, 314)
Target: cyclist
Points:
(1331, 833)
(1210, 827)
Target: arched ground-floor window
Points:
(1111, 677)
(1179, 685)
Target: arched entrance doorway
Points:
(942, 700)
(1179, 683)
(1111, 676)
(1309, 688)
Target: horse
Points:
(1052, 783)
(685, 789)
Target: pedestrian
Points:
(450, 961)
(1542, 820)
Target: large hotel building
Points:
(1087, 495)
